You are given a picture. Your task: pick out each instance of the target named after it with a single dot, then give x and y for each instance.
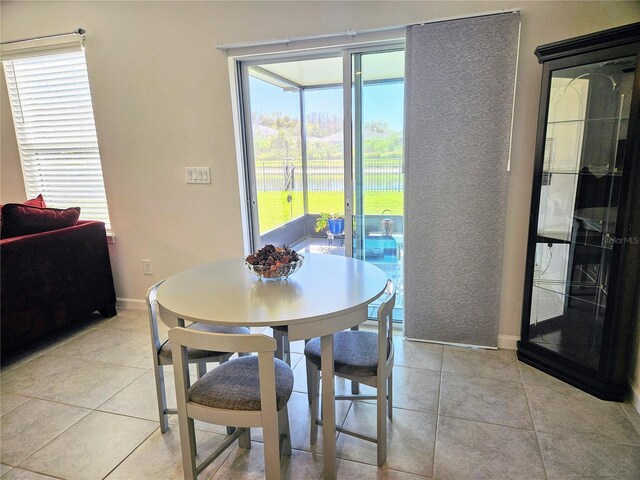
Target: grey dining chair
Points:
(283, 352)
(252, 391)
(163, 355)
(363, 357)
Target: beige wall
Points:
(161, 99)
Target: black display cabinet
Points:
(583, 260)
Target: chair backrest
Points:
(221, 342)
(152, 309)
(385, 323)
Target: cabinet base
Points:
(605, 391)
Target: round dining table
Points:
(328, 294)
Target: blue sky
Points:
(381, 102)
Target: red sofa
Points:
(52, 279)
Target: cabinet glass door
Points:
(587, 122)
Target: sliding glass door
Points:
(318, 146)
(294, 140)
(378, 178)
(276, 140)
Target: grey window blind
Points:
(53, 117)
(459, 88)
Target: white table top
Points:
(226, 293)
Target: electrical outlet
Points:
(147, 267)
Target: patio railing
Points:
(383, 174)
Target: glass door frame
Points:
(247, 169)
(352, 86)
(251, 222)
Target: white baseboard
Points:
(451, 344)
(635, 394)
(508, 342)
(131, 303)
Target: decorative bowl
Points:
(280, 272)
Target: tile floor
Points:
(83, 407)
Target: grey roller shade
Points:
(458, 105)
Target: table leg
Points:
(328, 407)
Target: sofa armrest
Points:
(82, 225)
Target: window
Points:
(53, 117)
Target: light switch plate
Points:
(197, 174)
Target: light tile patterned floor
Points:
(83, 407)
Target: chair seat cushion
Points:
(355, 353)
(235, 385)
(166, 349)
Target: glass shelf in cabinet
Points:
(560, 171)
(582, 120)
(600, 292)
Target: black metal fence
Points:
(379, 174)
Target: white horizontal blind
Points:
(39, 47)
(53, 117)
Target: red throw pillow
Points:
(20, 219)
(36, 202)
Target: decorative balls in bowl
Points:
(274, 263)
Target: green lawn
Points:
(274, 210)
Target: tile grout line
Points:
(418, 368)
(372, 402)
(630, 420)
(487, 423)
(588, 434)
(361, 462)
(226, 457)
(352, 403)
(34, 471)
(435, 440)
(98, 406)
(57, 355)
(96, 409)
(39, 354)
(131, 452)
(65, 377)
(349, 410)
(44, 350)
(16, 395)
(57, 402)
(517, 364)
(230, 450)
(503, 380)
(54, 438)
(81, 359)
(535, 429)
(76, 330)
(90, 410)
(385, 467)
